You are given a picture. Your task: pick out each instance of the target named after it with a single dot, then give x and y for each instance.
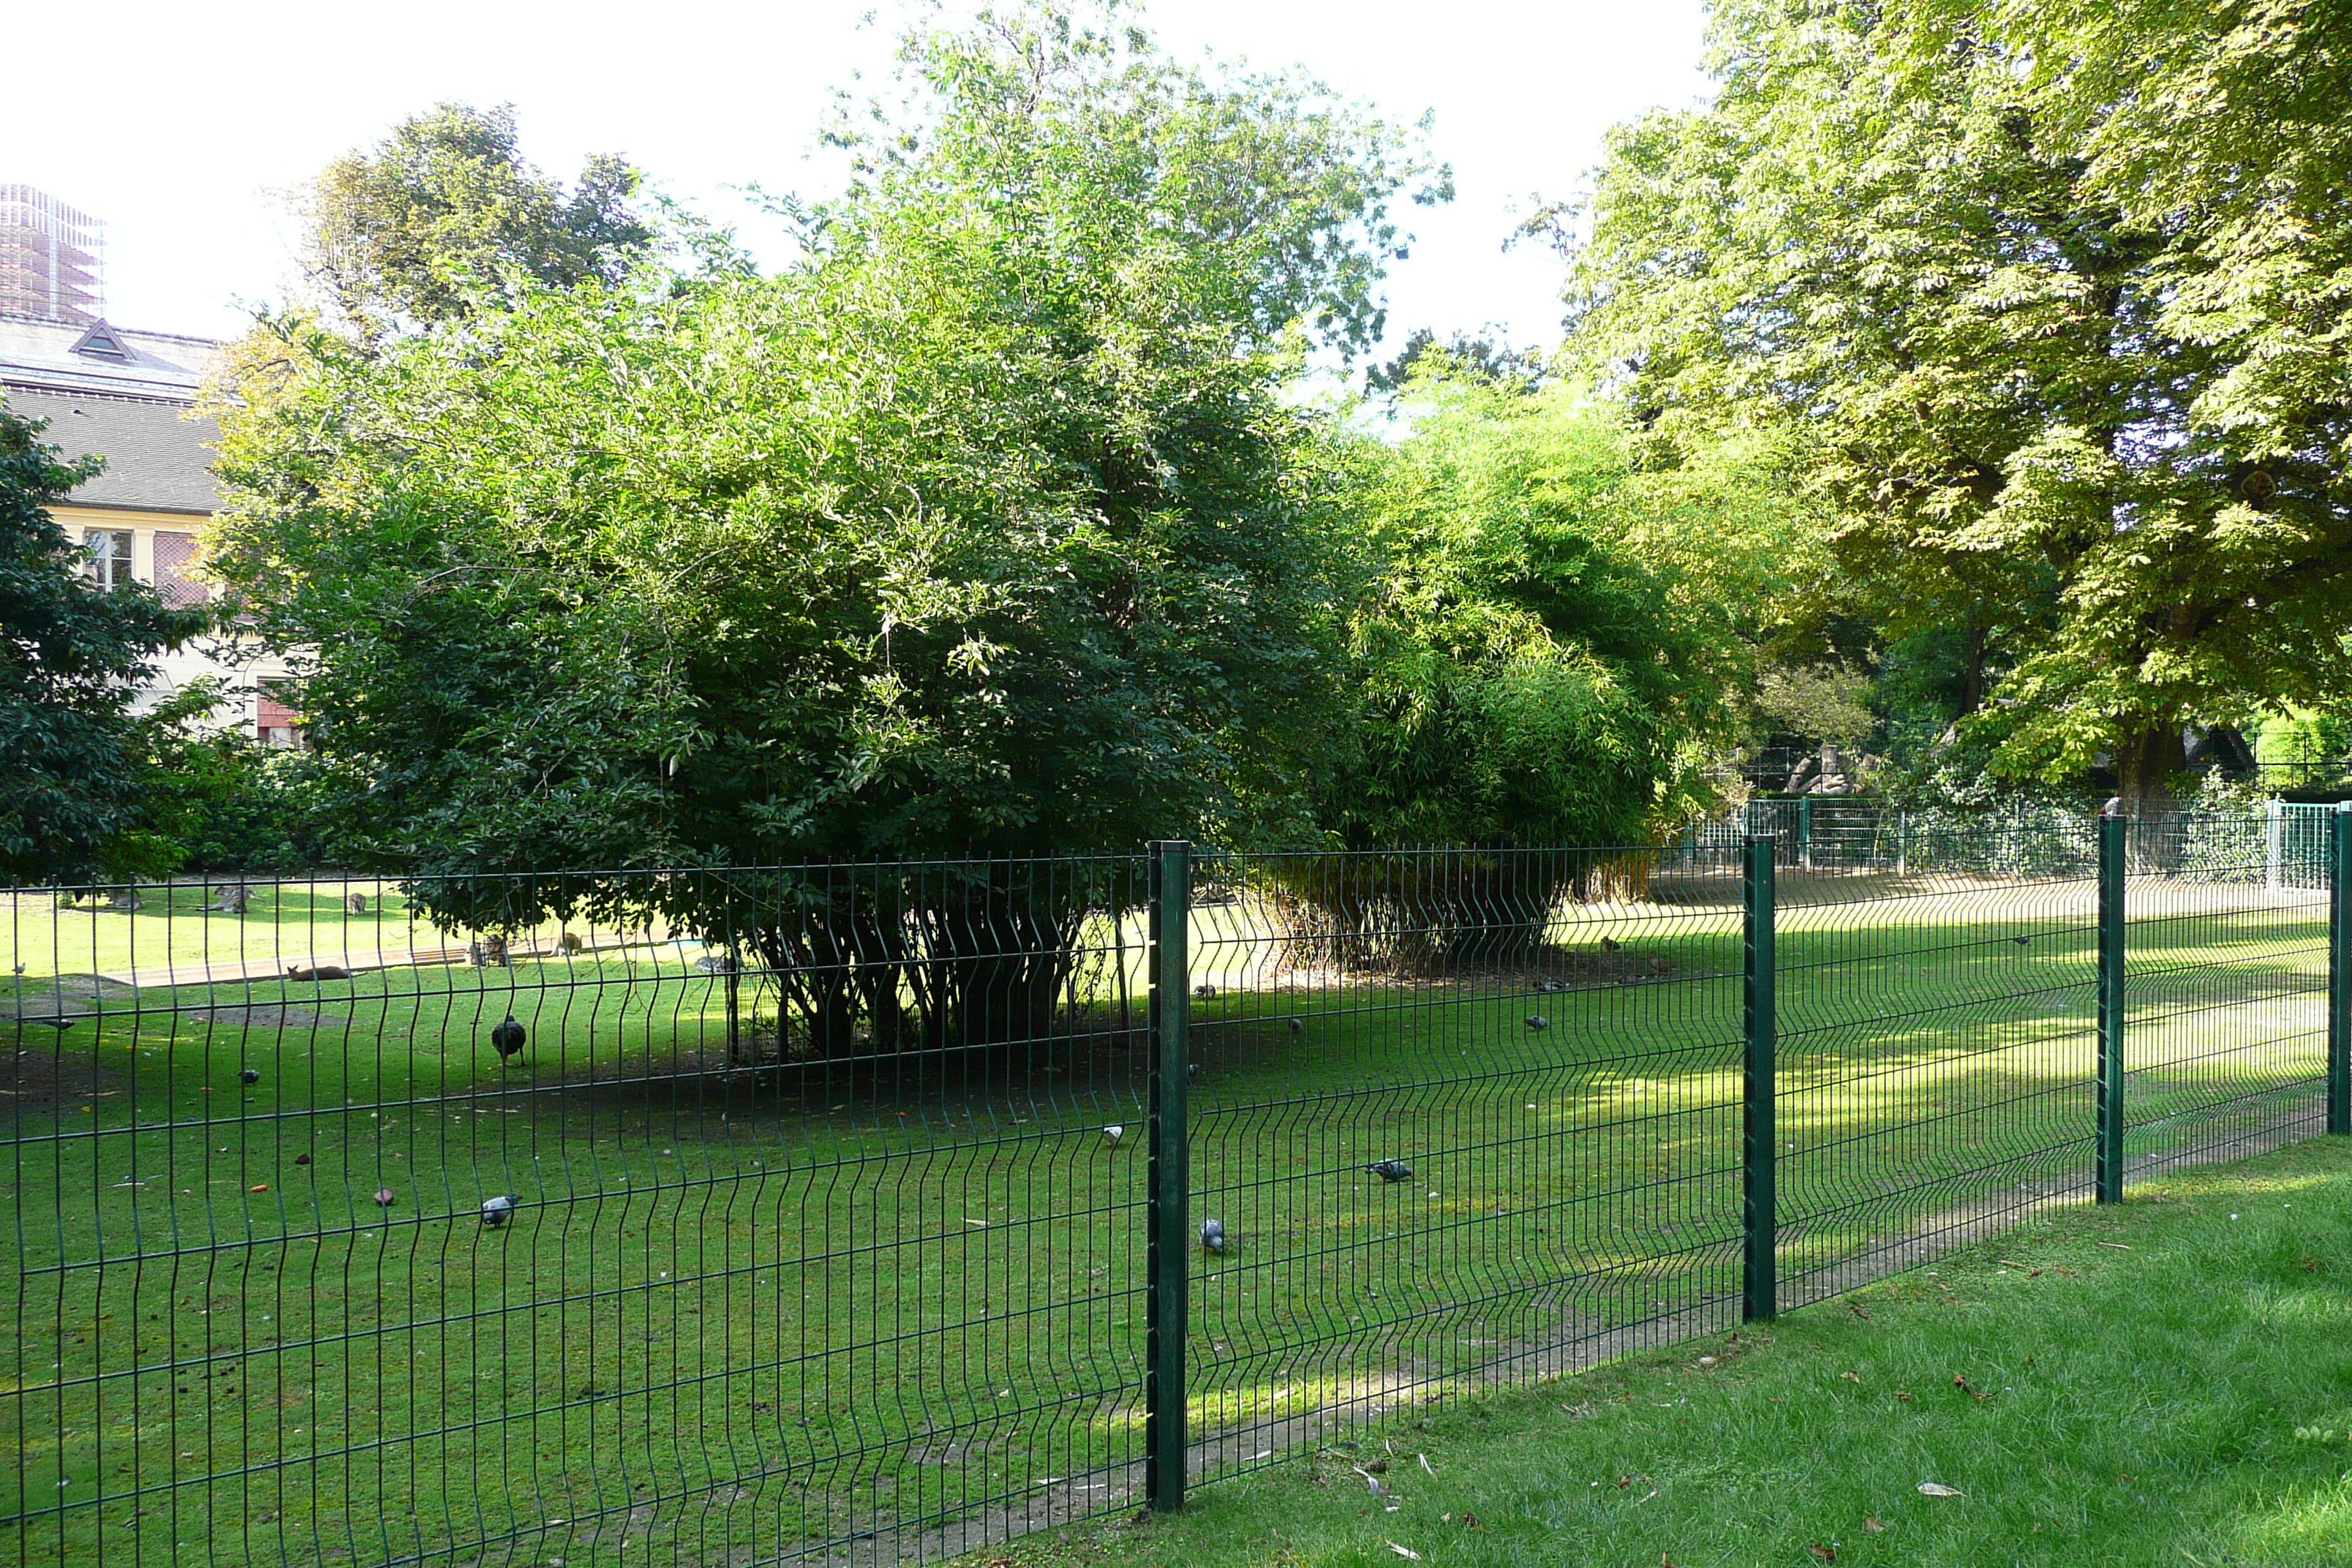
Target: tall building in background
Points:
(128, 398)
(52, 258)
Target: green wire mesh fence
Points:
(876, 1213)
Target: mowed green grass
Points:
(2169, 1382)
(739, 1309)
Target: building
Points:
(127, 397)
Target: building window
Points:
(110, 556)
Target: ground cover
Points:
(2164, 1382)
(870, 1297)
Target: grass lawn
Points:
(2165, 1382)
(736, 1309)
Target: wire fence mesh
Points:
(711, 1215)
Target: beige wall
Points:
(231, 658)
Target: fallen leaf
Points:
(1826, 1554)
(1426, 1464)
(263, 1187)
(1903, 1394)
(2313, 1265)
(1961, 1384)
(1624, 1481)
(1937, 1488)
(1853, 1377)
(1872, 1525)
(1470, 1522)
(1857, 1308)
(1404, 1551)
(2119, 1247)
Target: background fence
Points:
(866, 1211)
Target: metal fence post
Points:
(2339, 968)
(1760, 1276)
(1168, 1250)
(1805, 831)
(2274, 844)
(2113, 832)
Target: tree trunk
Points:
(2146, 764)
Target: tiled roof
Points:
(36, 353)
(156, 456)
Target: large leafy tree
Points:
(73, 659)
(986, 527)
(417, 228)
(2056, 340)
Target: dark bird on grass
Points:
(497, 1211)
(2020, 941)
(1538, 1023)
(1206, 992)
(1390, 1170)
(250, 1075)
(508, 1038)
(1212, 1234)
(1297, 1025)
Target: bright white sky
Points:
(183, 125)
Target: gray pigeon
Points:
(1298, 1026)
(508, 1038)
(1212, 1234)
(497, 1211)
(250, 1075)
(1192, 1072)
(1550, 987)
(1390, 1170)
(1114, 1133)
(1537, 1022)
(1206, 992)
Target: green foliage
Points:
(446, 206)
(1550, 639)
(2058, 357)
(221, 801)
(72, 658)
(984, 527)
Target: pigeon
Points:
(1212, 1234)
(2114, 806)
(497, 1211)
(250, 1075)
(384, 1197)
(1552, 987)
(1192, 1072)
(1390, 1170)
(508, 1039)
(2020, 941)
(1114, 1133)
(1206, 992)
(1537, 1022)
(301, 1159)
(1298, 1026)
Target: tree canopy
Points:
(447, 208)
(2058, 342)
(72, 658)
(986, 526)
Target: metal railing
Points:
(883, 1211)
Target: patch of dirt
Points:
(35, 1081)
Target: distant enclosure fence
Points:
(874, 1213)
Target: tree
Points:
(2057, 352)
(1541, 659)
(984, 528)
(446, 206)
(72, 658)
